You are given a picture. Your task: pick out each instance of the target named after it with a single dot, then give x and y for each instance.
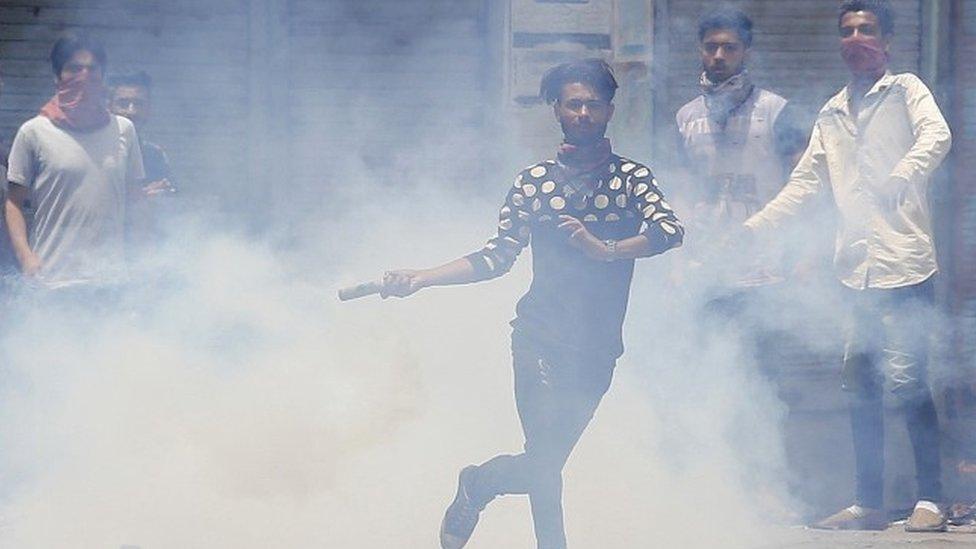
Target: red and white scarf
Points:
(79, 104)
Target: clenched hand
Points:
(582, 239)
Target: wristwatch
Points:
(611, 249)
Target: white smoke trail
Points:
(246, 408)
(238, 406)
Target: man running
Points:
(589, 214)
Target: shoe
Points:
(927, 517)
(855, 517)
(462, 515)
(962, 514)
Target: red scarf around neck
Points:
(585, 158)
(79, 104)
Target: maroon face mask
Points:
(79, 104)
(864, 54)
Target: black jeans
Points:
(887, 348)
(556, 395)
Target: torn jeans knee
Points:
(905, 376)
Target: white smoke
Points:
(233, 403)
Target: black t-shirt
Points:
(575, 303)
(155, 162)
(147, 217)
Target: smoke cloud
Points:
(230, 401)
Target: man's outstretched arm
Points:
(807, 181)
(492, 261)
(403, 283)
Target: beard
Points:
(721, 74)
(583, 134)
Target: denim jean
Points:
(886, 351)
(556, 395)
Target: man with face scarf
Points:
(737, 143)
(588, 213)
(875, 147)
(75, 165)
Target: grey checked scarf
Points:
(723, 98)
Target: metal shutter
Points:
(252, 95)
(373, 80)
(963, 166)
(795, 48)
(795, 53)
(196, 52)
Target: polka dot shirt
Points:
(619, 201)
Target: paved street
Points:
(801, 538)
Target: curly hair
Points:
(594, 72)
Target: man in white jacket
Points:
(875, 147)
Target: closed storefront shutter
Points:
(795, 48)
(375, 80)
(196, 52)
(796, 54)
(252, 95)
(963, 166)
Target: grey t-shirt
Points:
(77, 184)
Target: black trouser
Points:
(887, 347)
(556, 395)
